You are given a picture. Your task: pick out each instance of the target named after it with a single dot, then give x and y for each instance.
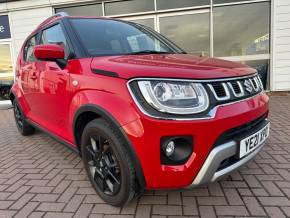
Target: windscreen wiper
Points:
(149, 52)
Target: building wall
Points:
(281, 45)
(24, 22)
(24, 16)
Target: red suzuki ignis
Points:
(141, 112)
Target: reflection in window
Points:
(54, 35)
(171, 4)
(6, 71)
(28, 49)
(192, 35)
(241, 29)
(111, 37)
(128, 7)
(262, 66)
(82, 10)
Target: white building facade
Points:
(254, 32)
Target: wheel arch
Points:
(89, 112)
(12, 96)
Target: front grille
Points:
(219, 90)
(235, 89)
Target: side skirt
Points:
(53, 136)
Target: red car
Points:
(141, 112)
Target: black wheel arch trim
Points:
(11, 93)
(107, 116)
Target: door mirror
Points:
(49, 52)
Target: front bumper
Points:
(210, 172)
(145, 134)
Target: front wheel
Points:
(107, 162)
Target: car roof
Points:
(60, 16)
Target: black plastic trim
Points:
(53, 136)
(237, 133)
(105, 73)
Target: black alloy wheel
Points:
(108, 163)
(103, 165)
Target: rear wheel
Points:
(22, 125)
(107, 162)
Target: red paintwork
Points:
(48, 52)
(47, 97)
(172, 65)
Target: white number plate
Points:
(252, 142)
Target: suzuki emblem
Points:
(249, 86)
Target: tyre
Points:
(107, 162)
(22, 125)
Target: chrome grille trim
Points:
(248, 86)
(223, 98)
(242, 92)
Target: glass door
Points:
(6, 71)
(189, 30)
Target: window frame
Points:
(24, 56)
(72, 53)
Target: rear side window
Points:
(28, 49)
(54, 35)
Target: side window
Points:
(54, 35)
(28, 49)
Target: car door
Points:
(26, 72)
(52, 83)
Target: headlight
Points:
(175, 97)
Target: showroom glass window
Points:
(193, 35)
(6, 67)
(6, 71)
(172, 4)
(128, 7)
(83, 10)
(241, 29)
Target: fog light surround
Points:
(175, 150)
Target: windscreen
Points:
(112, 37)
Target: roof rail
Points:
(59, 14)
